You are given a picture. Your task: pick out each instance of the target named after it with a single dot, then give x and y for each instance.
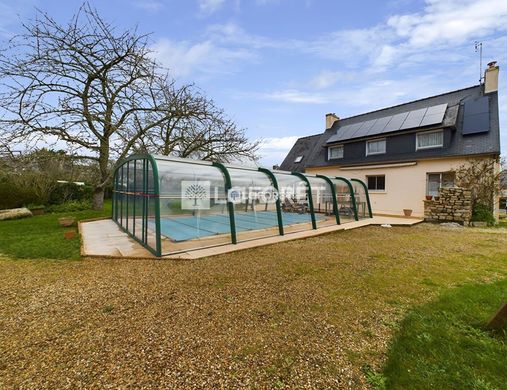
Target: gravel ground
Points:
(302, 314)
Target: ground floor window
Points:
(503, 203)
(376, 183)
(435, 181)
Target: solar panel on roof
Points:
(355, 127)
(405, 120)
(333, 138)
(439, 109)
(414, 119)
(434, 115)
(365, 128)
(379, 125)
(395, 122)
(478, 106)
(346, 131)
(476, 116)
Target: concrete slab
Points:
(103, 238)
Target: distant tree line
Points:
(97, 92)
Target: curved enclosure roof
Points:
(173, 205)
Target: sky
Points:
(278, 66)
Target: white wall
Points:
(405, 185)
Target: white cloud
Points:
(210, 6)
(185, 58)
(274, 150)
(454, 22)
(232, 34)
(294, 96)
(147, 5)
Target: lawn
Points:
(340, 310)
(41, 237)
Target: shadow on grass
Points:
(444, 344)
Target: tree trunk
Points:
(98, 198)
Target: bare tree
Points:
(84, 85)
(197, 128)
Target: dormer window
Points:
(298, 159)
(335, 152)
(430, 140)
(377, 146)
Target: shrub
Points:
(11, 196)
(482, 213)
(70, 206)
(65, 192)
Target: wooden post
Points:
(499, 319)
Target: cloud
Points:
(210, 6)
(147, 5)
(452, 22)
(184, 58)
(274, 150)
(232, 34)
(293, 96)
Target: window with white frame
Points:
(435, 181)
(334, 152)
(376, 183)
(377, 146)
(430, 139)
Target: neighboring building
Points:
(406, 152)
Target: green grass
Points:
(444, 344)
(42, 237)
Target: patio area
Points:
(104, 238)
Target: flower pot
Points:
(67, 221)
(437, 197)
(429, 197)
(407, 212)
(69, 235)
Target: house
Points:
(407, 152)
(503, 192)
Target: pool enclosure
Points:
(172, 205)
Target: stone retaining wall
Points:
(453, 205)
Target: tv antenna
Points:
(478, 48)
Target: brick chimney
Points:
(491, 78)
(331, 118)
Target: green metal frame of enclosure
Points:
(140, 197)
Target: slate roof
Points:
(314, 148)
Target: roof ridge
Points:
(410, 102)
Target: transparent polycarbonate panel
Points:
(131, 197)
(123, 189)
(254, 197)
(150, 208)
(193, 206)
(361, 200)
(138, 199)
(296, 215)
(322, 199)
(344, 199)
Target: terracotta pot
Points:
(407, 212)
(429, 197)
(66, 221)
(69, 235)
